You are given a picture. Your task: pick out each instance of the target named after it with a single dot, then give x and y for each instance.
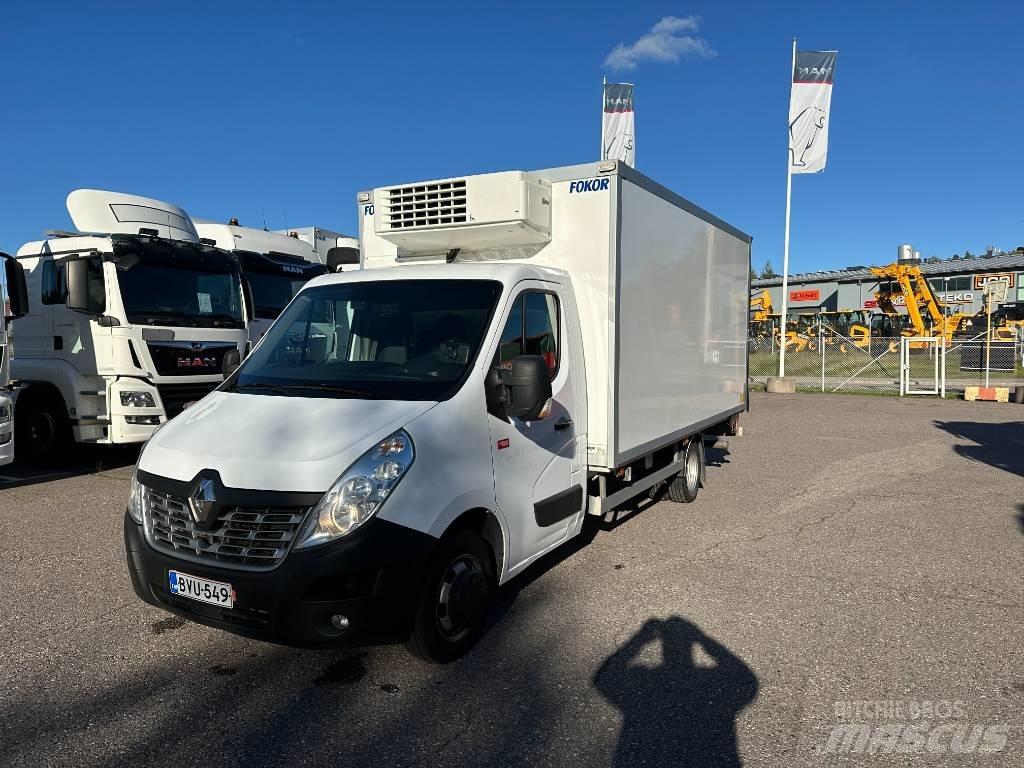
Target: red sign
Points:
(814, 295)
(503, 443)
(870, 304)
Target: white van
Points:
(521, 350)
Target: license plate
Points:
(205, 591)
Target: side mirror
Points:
(77, 272)
(17, 292)
(339, 256)
(528, 387)
(231, 362)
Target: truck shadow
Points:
(681, 711)
(80, 460)
(1000, 445)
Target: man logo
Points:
(203, 501)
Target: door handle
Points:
(563, 423)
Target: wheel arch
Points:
(487, 525)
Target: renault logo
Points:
(202, 501)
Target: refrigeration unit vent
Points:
(471, 213)
(441, 203)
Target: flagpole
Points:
(604, 84)
(785, 247)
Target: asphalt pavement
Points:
(847, 590)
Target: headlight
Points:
(357, 495)
(136, 499)
(138, 399)
(5, 413)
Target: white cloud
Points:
(669, 41)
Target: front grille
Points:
(251, 537)
(176, 396)
(189, 358)
(425, 205)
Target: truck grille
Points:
(425, 205)
(252, 537)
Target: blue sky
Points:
(287, 110)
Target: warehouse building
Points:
(958, 282)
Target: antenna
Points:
(263, 212)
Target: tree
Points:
(767, 270)
(753, 274)
(968, 255)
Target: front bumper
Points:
(371, 577)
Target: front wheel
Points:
(41, 429)
(684, 486)
(459, 589)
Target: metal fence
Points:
(829, 361)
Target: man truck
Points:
(130, 319)
(274, 267)
(520, 350)
(15, 307)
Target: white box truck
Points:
(274, 267)
(15, 306)
(130, 319)
(522, 349)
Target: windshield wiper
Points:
(169, 318)
(261, 386)
(336, 388)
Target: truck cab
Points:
(130, 320)
(515, 354)
(274, 267)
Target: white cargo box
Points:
(661, 285)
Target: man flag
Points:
(810, 99)
(618, 140)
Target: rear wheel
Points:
(42, 430)
(460, 586)
(684, 486)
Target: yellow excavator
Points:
(925, 316)
(761, 306)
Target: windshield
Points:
(274, 284)
(394, 339)
(178, 284)
(271, 293)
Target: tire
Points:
(812, 346)
(684, 486)
(459, 590)
(42, 430)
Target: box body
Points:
(661, 287)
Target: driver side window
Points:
(532, 329)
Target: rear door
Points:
(536, 479)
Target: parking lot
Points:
(847, 550)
